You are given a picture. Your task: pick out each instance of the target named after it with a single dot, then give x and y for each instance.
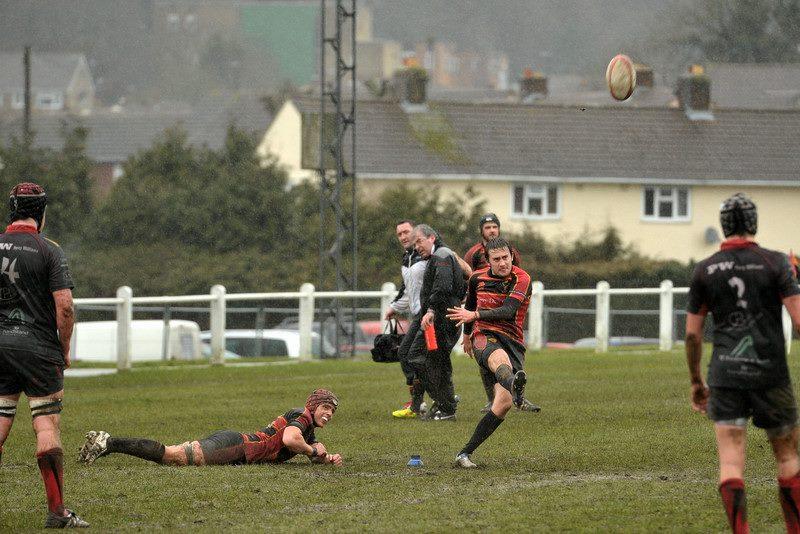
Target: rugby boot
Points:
(444, 416)
(518, 388)
(94, 447)
(404, 413)
(71, 520)
(528, 406)
(463, 462)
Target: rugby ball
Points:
(621, 77)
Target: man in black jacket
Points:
(443, 287)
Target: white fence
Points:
(218, 298)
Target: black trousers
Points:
(404, 350)
(433, 369)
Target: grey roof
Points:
(114, 137)
(755, 85)
(48, 70)
(575, 143)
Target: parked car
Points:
(205, 349)
(267, 343)
(97, 341)
(364, 335)
(616, 341)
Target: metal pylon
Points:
(337, 202)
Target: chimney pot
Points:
(532, 86)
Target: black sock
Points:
(505, 376)
(485, 427)
(146, 449)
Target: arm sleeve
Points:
(787, 280)
(60, 276)
(401, 303)
(696, 303)
(505, 312)
(471, 302)
(400, 292)
(298, 419)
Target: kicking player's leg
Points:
(514, 382)
(731, 442)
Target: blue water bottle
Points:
(415, 461)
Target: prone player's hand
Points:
(699, 395)
(335, 459)
(321, 450)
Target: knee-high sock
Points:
(485, 427)
(505, 376)
(146, 449)
(735, 502)
(790, 502)
(51, 465)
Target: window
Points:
(665, 203)
(173, 21)
(49, 100)
(17, 100)
(536, 201)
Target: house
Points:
(657, 174)
(59, 82)
(755, 85)
(113, 137)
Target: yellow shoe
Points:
(404, 413)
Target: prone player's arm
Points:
(65, 320)
(294, 441)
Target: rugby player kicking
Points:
(290, 434)
(497, 299)
(743, 287)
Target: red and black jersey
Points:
(476, 256)
(489, 292)
(266, 445)
(743, 286)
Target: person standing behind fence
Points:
(743, 286)
(489, 226)
(36, 320)
(443, 286)
(407, 302)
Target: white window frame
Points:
(529, 190)
(55, 100)
(17, 100)
(659, 196)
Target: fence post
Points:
(217, 325)
(389, 292)
(665, 316)
(306, 322)
(602, 315)
(787, 328)
(124, 319)
(536, 317)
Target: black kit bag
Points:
(385, 346)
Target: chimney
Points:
(644, 75)
(410, 86)
(694, 94)
(532, 86)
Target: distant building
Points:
(452, 67)
(59, 82)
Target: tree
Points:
(737, 30)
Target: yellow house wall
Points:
(589, 209)
(282, 141)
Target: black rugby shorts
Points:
(485, 343)
(771, 409)
(32, 373)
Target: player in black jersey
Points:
(36, 320)
(743, 286)
(493, 314)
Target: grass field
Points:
(616, 448)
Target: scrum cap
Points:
(27, 200)
(489, 218)
(321, 396)
(738, 215)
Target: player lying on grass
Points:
(290, 434)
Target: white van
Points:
(268, 342)
(96, 341)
